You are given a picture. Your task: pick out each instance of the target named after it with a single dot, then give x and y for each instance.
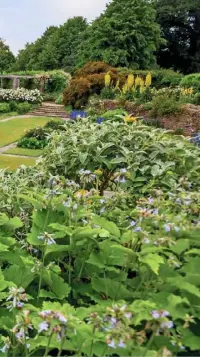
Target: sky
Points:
(23, 21)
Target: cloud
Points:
(23, 21)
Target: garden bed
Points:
(188, 119)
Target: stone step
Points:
(51, 110)
(42, 111)
(50, 115)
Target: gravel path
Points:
(7, 147)
(15, 117)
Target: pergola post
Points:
(42, 83)
(16, 82)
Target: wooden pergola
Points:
(16, 80)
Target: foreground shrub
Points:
(164, 105)
(97, 275)
(152, 155)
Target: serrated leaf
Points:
(181, 284)
(111, 288)
(180, 246)
(107, 225)
(20, 276)
(153, 261)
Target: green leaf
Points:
(153, 261)
(20, 276)
(181, 284)
(58, 286)
(55, 248)
(107, 225)
(3, 283)
(181, 246)
(47, 294)
(111, 288)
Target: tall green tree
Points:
(60, 51)
(126, 34)
(7, 58)
(28, 58)
(180, 26)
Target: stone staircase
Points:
(49, 109)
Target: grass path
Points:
(13, 162)
(11, 130)
(13, 150)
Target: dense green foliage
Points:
(100, 276)
(55, 49)
(7, 58)
(180, 26)
(13, 106)
(126, 34)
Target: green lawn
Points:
(12, 163)
(12, 130)
(24, 152)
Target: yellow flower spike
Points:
(137, 81)
(117, 84)
(107, 79)
(125, 88)
(148, 80)
(130, 81)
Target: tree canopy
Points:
(139, 34)
(126, 34)
(7, 58)
(180, 26)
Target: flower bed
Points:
(21, 95)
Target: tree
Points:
(7, 58)
(61, 49)
(180, 26)
(126, 34)
(28, 58)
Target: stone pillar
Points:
(16, 82)
(42, 83)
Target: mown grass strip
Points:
(12, 130)
(12, 163)
(24, 152)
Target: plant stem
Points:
(43, 256)
(149, 344)
(47, 348)
(61, 347)
(92, 344)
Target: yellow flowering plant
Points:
(107, 79)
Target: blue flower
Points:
(167, 227)
(121, 344)
(155, 314)
(77, 114)
(137, 229)
(167, 324)
(99, 120)
(112, 344)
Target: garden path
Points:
(7, 147)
